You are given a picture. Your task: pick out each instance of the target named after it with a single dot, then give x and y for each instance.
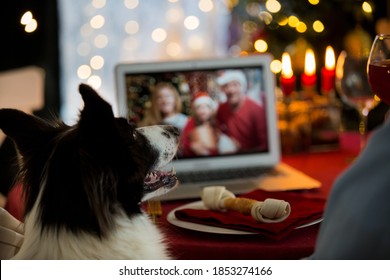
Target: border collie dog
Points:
(84, 184)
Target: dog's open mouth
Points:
(157, 179)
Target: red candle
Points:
(287, 78)
(328, 72)
(309, 77)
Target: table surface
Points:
(188, 244)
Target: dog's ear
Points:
(97, 119)
(27, 131)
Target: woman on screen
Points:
(166, 107)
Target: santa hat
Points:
(232, 75)
(203, 98)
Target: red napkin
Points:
(304, 209)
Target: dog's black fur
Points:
(86, 173)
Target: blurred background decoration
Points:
(81, 40)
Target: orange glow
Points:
(330, 61)
(287, 71)
(310, 63)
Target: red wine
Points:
(379, 79)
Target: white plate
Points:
(198, 205)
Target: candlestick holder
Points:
(294, 124)
(325, 120)
(309, 124)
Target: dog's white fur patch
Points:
(135, 238)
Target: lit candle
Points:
(328, 72)
(309, 77)
(287, 78)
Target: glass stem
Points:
(363, 129)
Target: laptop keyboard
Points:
(221, 175)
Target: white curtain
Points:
(95, 35)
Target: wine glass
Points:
(378, 67)
(352, 84)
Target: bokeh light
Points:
(131, 4)
(97, 62)
(260, 45)
(84, 71)
(97, 21)
(318, 26)
(191, 22)
(159, 35)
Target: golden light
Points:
(310, 63)
(318, 26)
(330, 60)
(293, 21)
(287, 71)
(95, 81)
(205, 5)
(84, 71)
(340, 66)
(173, 49)
(31, 26)
(273, 6)
(97, 62)
(131, 4)
(97, 22)
(191, 22)
(276, 66)
(260, 45)
(282, 20)
(97, 4)
(367, 7)
(159, 35)
(301, 27)
(131, 27)
(314, 2)
(26, 18)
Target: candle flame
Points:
(330, 60)
(310, 63)
(286, 66)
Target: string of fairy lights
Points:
(98, 34)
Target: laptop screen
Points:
(224, 108)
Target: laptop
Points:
(243, 148)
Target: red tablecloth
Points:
(188, 244)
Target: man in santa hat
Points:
(240, 117)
